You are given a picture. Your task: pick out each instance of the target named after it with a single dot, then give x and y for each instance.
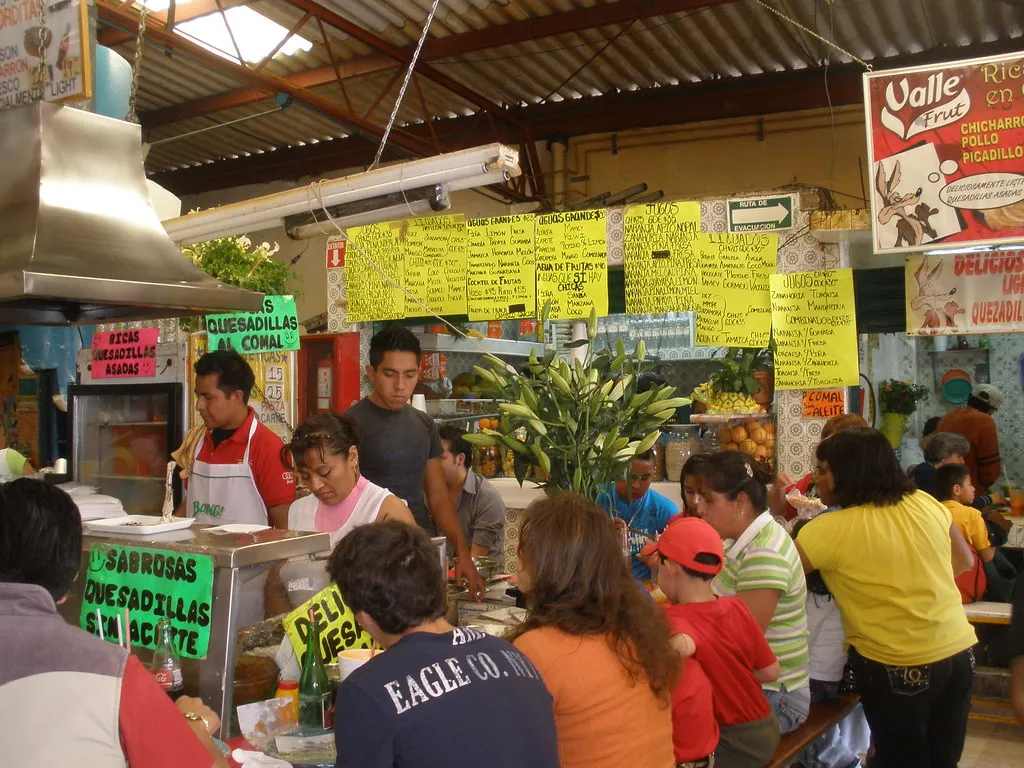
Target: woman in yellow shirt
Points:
(888, 556)
(601, 646)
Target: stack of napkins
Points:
(95, 506)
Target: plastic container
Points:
(289, 689)
(680, 444)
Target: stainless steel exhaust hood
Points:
(80, 242)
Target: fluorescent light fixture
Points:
(398, 205)
(972, 249)
(255, 34)
(465, 169)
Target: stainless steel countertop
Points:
(229, 550)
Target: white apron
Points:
(225, 493)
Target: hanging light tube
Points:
(398, 205)
(465, 169)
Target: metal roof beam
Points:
(676, 105)
(191, 10)
(262, 81)
(537, 28)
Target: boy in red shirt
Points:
(721, 634)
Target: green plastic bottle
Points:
(316, 710)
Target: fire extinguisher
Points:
(324, 386)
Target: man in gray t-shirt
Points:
(394, 448)
(399, 448)
(481, 510)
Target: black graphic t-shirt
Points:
(456, 700)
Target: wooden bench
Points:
(987, 612)
(821, 718)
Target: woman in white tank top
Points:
(324, 451)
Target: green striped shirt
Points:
(764, 557)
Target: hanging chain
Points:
(405, 85)
(814, 34)
(43, 71)
(137, 68)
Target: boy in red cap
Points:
(721, 634)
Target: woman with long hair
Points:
(889, 556)
(324, 452)
(600, 645)
(762, 568)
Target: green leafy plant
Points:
(737, 368)
(236, 261)
(900, 397)
(584, 422)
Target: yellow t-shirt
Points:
(970, 523)
(890, 571)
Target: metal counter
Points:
(237, 558)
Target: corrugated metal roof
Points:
(730, 40)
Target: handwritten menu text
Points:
(572, 263)
(662, 273)
(502, 275)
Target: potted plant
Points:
(898, 400)
(236, 261)
(743, 382)
(583, 422)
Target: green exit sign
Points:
(760, 214)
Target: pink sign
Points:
(120, 354)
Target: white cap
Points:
(988, 394)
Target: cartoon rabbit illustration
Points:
(910, 226)
(937, 302)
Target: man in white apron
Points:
(236, 475)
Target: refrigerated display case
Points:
(121, 439)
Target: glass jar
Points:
(681, 442)
(490, 461)
(658, 452)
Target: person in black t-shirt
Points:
(438, 696)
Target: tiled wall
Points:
(1005, 372)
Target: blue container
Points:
(113, 83)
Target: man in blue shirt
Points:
(636, 506)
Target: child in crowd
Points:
(723, 636)
(953, 487)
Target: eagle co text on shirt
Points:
(443, 677)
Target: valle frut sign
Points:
(275, 328)
(760, 214)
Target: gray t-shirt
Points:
(482, 516)
(394, 448)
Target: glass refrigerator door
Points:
(123, 436)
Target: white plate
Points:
(238, 528)
(148, 524)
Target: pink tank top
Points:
(331, 517)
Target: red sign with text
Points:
(123, 354)
(946, 144)
(336, 252)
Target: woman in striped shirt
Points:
(763, 569)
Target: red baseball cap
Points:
(688, 537)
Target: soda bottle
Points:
(315, 707)
(166, 666)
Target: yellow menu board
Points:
(661, 270)
(815, 330)
(370, 296)
(435, 265)
(572, 263)
(735, 304)
(502, 275)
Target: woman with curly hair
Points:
(600, 645)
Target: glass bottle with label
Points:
(315, 707)
(166, 667)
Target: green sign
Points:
(275, 328)
(761, 214)
(152, 584)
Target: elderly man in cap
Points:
(975, 422)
